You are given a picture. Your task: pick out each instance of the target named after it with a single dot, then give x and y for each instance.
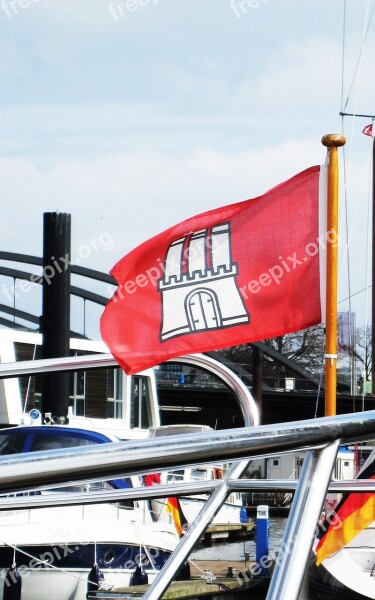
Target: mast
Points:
(345, 114)
(332, 141)
(373, 267)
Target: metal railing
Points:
(97, 361)
(319, 437)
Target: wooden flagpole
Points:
(332, 141)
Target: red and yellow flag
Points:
(173, 506)
(354, 513)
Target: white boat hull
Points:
(56, 548)
(352, 569)
(191, 507)
(68, 585)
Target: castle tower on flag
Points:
(199, 288)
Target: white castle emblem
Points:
(199, 288)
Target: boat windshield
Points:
(22, 440)
(10, 444)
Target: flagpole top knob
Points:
(333, 140)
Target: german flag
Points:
(355, 512)
(174, 508)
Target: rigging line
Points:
(359, 68)
(347, 253)
(344, 166)
(356, 293)
(320, 381)
(343, 54)
(347, 263)
(368, 236)
(28, 388)
(359, 59)
(354, 220)
(39, 561)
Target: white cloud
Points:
(136, 195)
(134, 125)
(302, 79)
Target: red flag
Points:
(240, 273)
(367, 130)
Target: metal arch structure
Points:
(75, 269)
(36, 261)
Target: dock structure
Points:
(209, 579)
(217, 533)
(188, 590)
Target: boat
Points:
(288, 467)
(59, 550)
(230, 513)
(56, 546)
(232, 510)
(137, 414)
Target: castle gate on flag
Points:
(206, 295)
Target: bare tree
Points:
(305, 347)
(363, 349)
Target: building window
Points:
(77, 393)
(140, 403)
(77, 390)
(114, 399)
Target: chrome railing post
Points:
(193, 534)
(304, 514)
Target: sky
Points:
(133, 115)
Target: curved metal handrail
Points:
(96, 361)
(247, 404)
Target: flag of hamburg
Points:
(236, 274)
